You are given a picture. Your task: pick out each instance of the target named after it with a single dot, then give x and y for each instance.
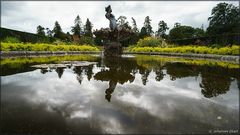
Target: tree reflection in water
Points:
(89, 72)
(145, 73)
(78, 70)
(119, 72)
(181, 70)
(215, 80)
(159, 73)
(59, 71)
(214, 83)
(83, 70)
(44, 70)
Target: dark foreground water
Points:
(142, 94)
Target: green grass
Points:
(234, 50)
(45, 47)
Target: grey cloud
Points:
(27, 15)
(8, 8)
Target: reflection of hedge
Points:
(147, 62)
(23, 36)
(234, 50)
(18, 65)
(45, 47)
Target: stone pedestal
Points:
(113, 49)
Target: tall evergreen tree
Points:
(57, 30)
(162, 28)
(148, 27)
(135, 36)
(40, 30)
(76, 29)
(143, 32)
(88, 28)
(134, 27)
(224, 19)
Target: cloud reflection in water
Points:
(141, 101)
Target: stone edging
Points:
(230, 58)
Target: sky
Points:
(27, 15)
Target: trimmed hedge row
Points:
(233, 50)
(45, 47)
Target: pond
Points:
(132, 94)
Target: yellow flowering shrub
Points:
(233, 50)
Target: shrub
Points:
(58, 42)
(11, 40)
(86, 40)
(235, 50)
(151, 42)
(215, 46)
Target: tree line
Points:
(224, 20)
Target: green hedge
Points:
(24, 36)
(233, 50)
(45, 47)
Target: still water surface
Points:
(140, 94)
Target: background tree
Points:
(177, 24)
(185, 34)
(57, 30)
(199, 32)
(88, 28)
(123, 23)
(69, 37)
(162, 28)
(58, 33)
(148, 27)
(134, 26)
(224, 19)
(135, 37)
(181, 32)
(76, 29)
(49, 32)
(40, 30)
(143, 33)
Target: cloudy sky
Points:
(26, 16)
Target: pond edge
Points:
(229, 58)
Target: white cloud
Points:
(26, 16)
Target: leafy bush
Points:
(11, 40)
(234, 50)
(216, 46)
(151, 42)
(86, 40)
(45, 47)
(58, 42)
